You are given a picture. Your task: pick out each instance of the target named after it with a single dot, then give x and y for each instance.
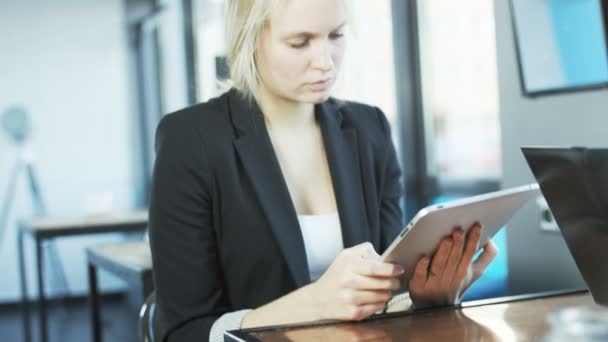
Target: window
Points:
(460, 101)
(460, 88)
(368, 72)
(210, 46)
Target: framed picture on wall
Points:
(561, 45)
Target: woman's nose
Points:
(322, 59)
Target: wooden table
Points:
(131, 261)
(518, 318)
(50, 228)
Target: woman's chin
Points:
(316, 97)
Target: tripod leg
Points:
(8, 200)
(35, 186)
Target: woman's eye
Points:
(304, 43)
(299, 45)
(335, 36)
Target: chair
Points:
(146, 319)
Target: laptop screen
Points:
(574, 182)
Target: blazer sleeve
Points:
(189, 287)
(391, 218)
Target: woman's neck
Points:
(282, 112)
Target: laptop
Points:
(574, 181)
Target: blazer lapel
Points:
(254, 148)
(342, 149)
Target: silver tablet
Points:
(423, 234)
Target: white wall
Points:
(65, 62)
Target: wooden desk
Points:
(519, 318)
(44, 229)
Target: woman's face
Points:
(300, 51)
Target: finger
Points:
(364, 297)
(455, 255)
(420, 273)
(471, 247)
(440, 258)
(377, 268)
(360, 312)
(360, 282)
(490, 251)
(366, 250)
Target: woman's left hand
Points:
(452, 269)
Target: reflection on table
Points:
(520, 318)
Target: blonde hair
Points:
(245, 22)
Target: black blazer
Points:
(224, 233)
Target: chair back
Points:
(146, 318)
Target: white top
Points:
(322, 236)
(322, 240)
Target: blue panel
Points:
(494, 282)
(579, 34)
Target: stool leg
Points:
(41, 296)
(94, 297)
(25, 308)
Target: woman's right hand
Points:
(356, 285)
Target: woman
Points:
(269, 202)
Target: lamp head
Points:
(16, 125)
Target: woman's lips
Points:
(320, 85)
